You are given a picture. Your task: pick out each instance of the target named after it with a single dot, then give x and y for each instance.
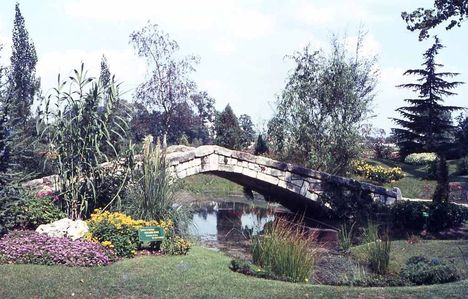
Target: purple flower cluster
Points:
(29, 247)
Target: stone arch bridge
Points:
(293, 186)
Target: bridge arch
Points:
(289, 184)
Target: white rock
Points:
(64, 228)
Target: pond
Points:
(232, 224)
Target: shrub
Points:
(286, 250)
(119, 231)
(409, 215)
(377, 249)
(175, 245)
(462, 166)
(420, 158)
(31, 212)
(432, 216)
(377, 173)
(29, 247)
(446, 215)
(419, 270)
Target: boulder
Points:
(64, 228)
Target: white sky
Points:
(241, 44)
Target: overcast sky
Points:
(241, 44)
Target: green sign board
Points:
(151, 233)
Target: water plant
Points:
(345, 236)
(287, 250)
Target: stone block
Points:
(203, 151)
(222, 151)
(210, 163)
(249, 172)
(267, 178)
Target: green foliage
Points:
(168, 84)
(420, 158)
(123, 240)
(322, 107)
(248, 132)
(183, 140)
(228, 131)
(80, 131)
(23, 84)
(426, 124)
(377, 249)
(435, 217)
(287, 250)
(345, 236)
(409, 215)
(462, 166)
(419, 270)
(32, 211)
(150, 195)
(175, 245)
(446, 215)
(424, 19)
(261, 146)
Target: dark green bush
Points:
(435, 217)
(446, 215)
(419, 270)
(409, 215)
(462, 166)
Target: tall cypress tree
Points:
(23, 84)
(426, 124)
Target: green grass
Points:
(210, 186)
(201, 274)
(455, 251)
(415, 184)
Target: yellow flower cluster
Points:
(182, 246)
(377, 173)
(107, 244)
(120, 220)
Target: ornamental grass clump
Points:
(29, 247)
(377, 249)
(287, 250)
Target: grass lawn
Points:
(202, 274)
(414, 184)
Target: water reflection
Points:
(230, 221)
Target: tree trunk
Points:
(441, 193)
(164, 140)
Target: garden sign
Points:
(151, 233)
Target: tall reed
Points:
(377, 249)
(287, 250)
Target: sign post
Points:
(151, 234)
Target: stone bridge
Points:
(295, 187)
(291, 185)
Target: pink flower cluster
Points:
(29, 247)
(42, 194)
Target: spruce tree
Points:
(23, 84)
(426, 124)
(228, 131)
(261, 146)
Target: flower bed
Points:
(377, 173)
(420, 158)
(29, 247)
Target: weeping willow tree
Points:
(80, 124)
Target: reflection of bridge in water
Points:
(293, 186)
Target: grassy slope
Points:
(201, 274)
(414, 184)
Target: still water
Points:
(221, 223)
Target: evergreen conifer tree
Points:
(23, 84)
(228, 131)
(426, 124)
(261, 146)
